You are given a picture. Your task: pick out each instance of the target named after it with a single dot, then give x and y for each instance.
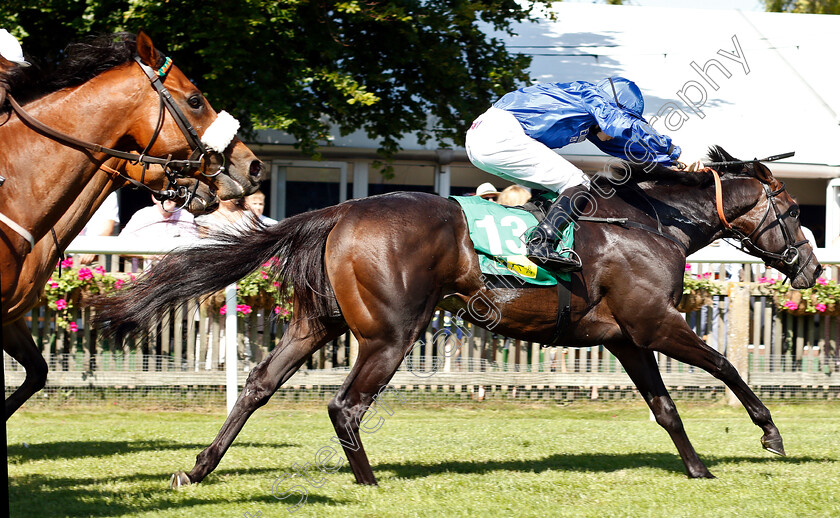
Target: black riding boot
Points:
(544, 239)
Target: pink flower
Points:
(85, 274)
(99, 269)
(53, 284)
(243, 308)
(707, 275)
(73, 327)
(821, 307)
(60, 304)
(688, 267)
(223, 310)
(67, 263)
(822, 281)
(264, 275)
(789, 304)
(276, 310)
(119, 283)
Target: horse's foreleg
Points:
(17, 341)
(682, 344)
(642, 368)
(295, 346)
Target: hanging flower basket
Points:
(261, 301)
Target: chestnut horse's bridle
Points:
(173, 169)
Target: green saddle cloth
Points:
(496, 232)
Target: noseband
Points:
(173, 169)
(790, 255)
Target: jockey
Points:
(515, 137)
(10, 54)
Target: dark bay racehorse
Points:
(66, 146)
(381, 265)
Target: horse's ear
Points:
(763, 173)
(146, 50)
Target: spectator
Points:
(487, 191)
(514, 196)
(161, 220)
(104, 222)
(256, 204)
(231, 216)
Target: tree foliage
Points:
(803, 6)
(306, 66)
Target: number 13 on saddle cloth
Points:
(497, 235)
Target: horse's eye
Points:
(196, 101)
(794, 212)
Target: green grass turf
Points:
(585, 459)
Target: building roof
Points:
(775, 73)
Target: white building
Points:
(756, 83)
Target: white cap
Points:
(10, 48)
(486, 189)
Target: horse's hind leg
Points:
(17, 341)
(386, 333)
(642, 368)
(297, 344)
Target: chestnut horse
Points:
(55, 177)
(381, 265)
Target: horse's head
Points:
(177, 120)
(769, 228)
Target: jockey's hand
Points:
(696, 166)
(679, 165)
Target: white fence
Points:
(777, 353)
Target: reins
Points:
(71, 141)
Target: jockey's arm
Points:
(633, 150)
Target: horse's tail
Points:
(297, 242)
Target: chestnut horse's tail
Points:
(298, 243)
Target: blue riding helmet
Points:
(625, 93)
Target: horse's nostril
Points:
(256, 168)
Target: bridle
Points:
(173, 169)
(790, 256)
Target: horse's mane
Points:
(82, 61)
(658, 173)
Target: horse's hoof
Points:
(179, 479)
(773, 445)
(704, 473)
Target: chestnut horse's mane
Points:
(82, 61)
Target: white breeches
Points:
(496, 143)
